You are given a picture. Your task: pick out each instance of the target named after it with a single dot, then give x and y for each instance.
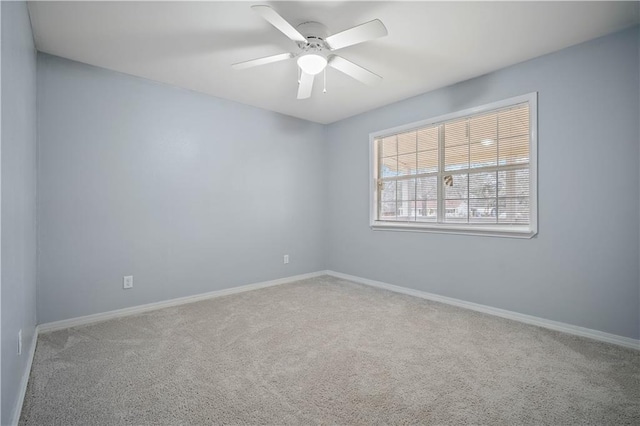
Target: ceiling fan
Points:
(316, 47)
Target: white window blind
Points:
(468, 171)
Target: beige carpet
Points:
(326, 351)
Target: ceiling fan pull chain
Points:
(325, 81)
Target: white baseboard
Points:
(22, 391)
(528, 319)
(72, 322)
(103, 316)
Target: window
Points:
(471, 172)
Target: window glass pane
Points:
(427, 161)
(389, 146)
(514, 122)
(427, 188)
(428, 138)
(455, 211)
(482, 210)
(406, 211)
(456, 150)
(482, 185)
(388, 191)
(483, 128)
(513, 183)
(407, 164)
(427, 196)
(484, 153)
(406, 189)
(389, 167)
(388, 211)
(483, 138)
(407, 143)
(513, 210)
(426, 210)
(455, 191)
(514, 150)
(456, 157)
(478, 164)
(513, 132)
(455, 186)
(455, 133)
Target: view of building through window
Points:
(472, 170)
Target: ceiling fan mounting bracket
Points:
(313, 29)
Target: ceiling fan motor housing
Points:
(315, 33)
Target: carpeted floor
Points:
(327, 351)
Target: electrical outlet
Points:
(20, 342)
(286, 259)
(128, 282)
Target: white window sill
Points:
(505, 231)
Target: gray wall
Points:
(582, 268)
(190, 194)
(186, 192)
(18, 177)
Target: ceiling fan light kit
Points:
(314, 44)
(312, 63)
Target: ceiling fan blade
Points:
(262, 61)
(305, 86)
(364, 32)
(279, 22)
(352, 70)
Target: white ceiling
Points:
(430, 44)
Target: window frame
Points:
(495, 230)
